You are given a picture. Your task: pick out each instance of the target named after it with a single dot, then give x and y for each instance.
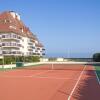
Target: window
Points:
(3, 44)
(14, 36)
(8, 21)
(3, 36)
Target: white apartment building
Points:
(16, 38)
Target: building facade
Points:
(16, 39)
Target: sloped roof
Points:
(7, 20)
(17, 26)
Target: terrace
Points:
(10, 36)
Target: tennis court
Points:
(50, 81)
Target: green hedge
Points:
(32, 59)
(35, 58)
(13, 59)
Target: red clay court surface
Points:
(72, 84)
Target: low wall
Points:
(37, 63)
(14, 65)
(30, 64)
(8, 66)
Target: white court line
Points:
(40, 73)
(54, 78)
(14, 76)
(36, 76)
(76, 84)
(26, 75)
(41, 77)
(97, 76)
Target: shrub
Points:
(28, 59)
(96, 57)
(35, 58)
(14, 59)
(19, 59)
(1, 61)
(7, 59)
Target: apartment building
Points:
(16, 39)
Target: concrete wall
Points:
(60, 59)
(44, 59)
(8, 66)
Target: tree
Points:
(96, 57)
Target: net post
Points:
(52, 66)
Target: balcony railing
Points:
(11, 36)
(31, 47)
(43, 53)
(38, 48)
(11, 45)
(11, 52)
(43, 49)
(30, 43)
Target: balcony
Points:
(29, 43)
(43, 49)
(10, 37)
(31, 48)
(11, 45)
(38, 48)
(36, 51)
(43, 53)
(11, 53)
(31, 40)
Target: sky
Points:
(67, 28)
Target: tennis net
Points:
(55, 66)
